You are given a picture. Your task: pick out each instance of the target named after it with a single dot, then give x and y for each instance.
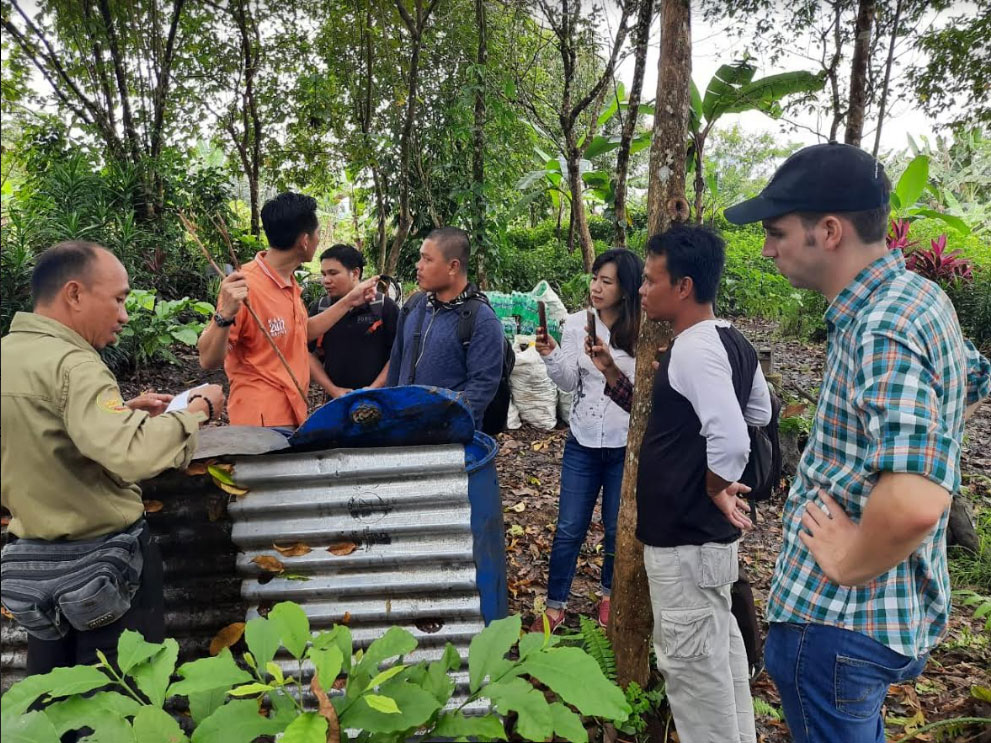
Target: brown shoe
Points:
(553, 622)
(604, 612)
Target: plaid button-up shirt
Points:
(897, 378)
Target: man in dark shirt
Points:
(707, 390)
(354, 353)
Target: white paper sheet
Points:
(181, 401)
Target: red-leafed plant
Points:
(936, 264)
(897, 238)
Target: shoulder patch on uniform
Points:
(111, 402)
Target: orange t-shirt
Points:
(262, 392)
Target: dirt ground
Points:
(529, 463)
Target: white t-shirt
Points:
(596, 421)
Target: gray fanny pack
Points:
(49, 586)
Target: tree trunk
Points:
(641, 36)
(887, 78)
(631, 620)
(858, 74)
(832, 71)
(404, 223)
(579, 220)
(478, 151)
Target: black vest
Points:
(673, 507)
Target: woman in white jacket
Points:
(596, 445)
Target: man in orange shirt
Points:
(262, 393)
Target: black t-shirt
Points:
(356, 348)
(673, 507)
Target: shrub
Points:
(154, 327)
(381, 705)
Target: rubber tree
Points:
(631, 621)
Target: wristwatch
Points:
(221, 321)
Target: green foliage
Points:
(642, 703)
(66, 196)
(753, 287)
(155, 325)
(969, 571)
(766, 709)
(384, 698)
(981, 604)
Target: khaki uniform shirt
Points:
(70, 450)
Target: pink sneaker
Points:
(554, 622)
(604, 612)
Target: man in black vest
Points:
(707, 390)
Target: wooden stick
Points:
(191, 229)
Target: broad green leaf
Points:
(153, 676)
(723, 85)
(293, 625)
(955, 222)
(981, 692)
(456, 725)
(202, 704)
(764, 94)
(381, 703)
(133, 649)
(516, 695)
(339, 635)
(186, 335)
(206, 674)
(600, 145)
(154, 725)
(695, 121)
(567, 725)
(385, 675)
(65, 714)
(416, 706)
(640, 142)
(250, 689)
(33, 727)
(436, 681)
(575, 677)
(203, 308)
(529, 643)
(263, 640)
(395, 641)
(237, 721)
(913, 181)
(451, 659)
(309, 727)
(328, 662)
(524, 183)
(489, 647)
(107, 727)
(61, 682)
(276, 672)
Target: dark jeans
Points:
(584, 472)
(146, 615)
(833, 681)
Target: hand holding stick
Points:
(191, 229)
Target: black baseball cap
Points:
(822, 178)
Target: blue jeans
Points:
(833, 681)
(584, 472)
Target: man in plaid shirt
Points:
(861, 593)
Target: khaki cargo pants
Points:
(699, 648)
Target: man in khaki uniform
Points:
(72, 450)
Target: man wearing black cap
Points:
(861, 593)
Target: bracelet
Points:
(209, 405)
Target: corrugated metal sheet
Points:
(202, 590)
(407, 513)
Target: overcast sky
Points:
(712, 46)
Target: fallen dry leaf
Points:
(326, 710)
(153, 506)
(269, 564)
(342, 548)
(197, 468)
(518, 508)
(6, 614)
(346, 619)
(796, 408)
(292, 550)
(232, 489)
(227, 637)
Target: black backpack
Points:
(763, 472)
(496, 414)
